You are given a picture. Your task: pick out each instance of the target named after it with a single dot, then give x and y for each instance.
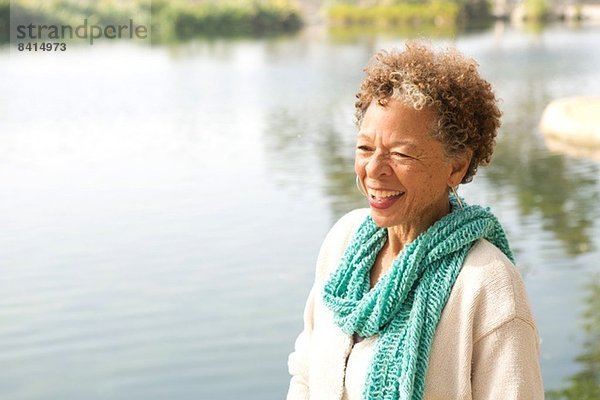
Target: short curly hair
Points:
(448, 83)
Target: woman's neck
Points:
(402, 234)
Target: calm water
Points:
(162, 208)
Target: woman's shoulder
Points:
(493, 288)
(350, 221)
(488, 266)
(345, 227)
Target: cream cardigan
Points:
(486, 344)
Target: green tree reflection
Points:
(306, 155)
(585, 384)
(338, 167)
(562, 191)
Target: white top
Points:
(356, 368)
(486, 345)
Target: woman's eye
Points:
(399, 155)
(363, 148)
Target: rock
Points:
(575, 120)
(556, 145)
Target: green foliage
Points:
(183, 20)
(4, 21)
(536, 10)
(348, 34)
(171, 19)
(437, 13)
(475, 12)
(585, 384)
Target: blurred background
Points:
(164, 200)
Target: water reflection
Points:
(585, 384)
(551, 198)
(565, 194)
(557, 145)
(273, 118)
(338, 169)
(563, 191)
(312, 152)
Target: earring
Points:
(460, 204)
(360, 186)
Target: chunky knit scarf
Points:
(405, 305)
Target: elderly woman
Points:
(417, 297)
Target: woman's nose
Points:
(377, 165)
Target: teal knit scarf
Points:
(405, 305)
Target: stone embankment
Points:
(573, 124)
(573, 119)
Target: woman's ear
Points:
(460, 165)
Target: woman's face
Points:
(403, 168)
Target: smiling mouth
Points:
(382, 199)
(383, 194)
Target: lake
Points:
(163, 207)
